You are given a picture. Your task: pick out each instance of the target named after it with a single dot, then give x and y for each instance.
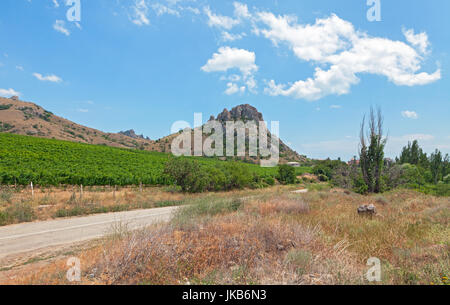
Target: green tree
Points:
(413, 154)
(436, 165)
(187, 174)
(372, 153)
(286, 174)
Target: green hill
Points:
(53, 162)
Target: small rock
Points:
(280, 247)
(367, 210)
(300, 191)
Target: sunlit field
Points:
(271, 237)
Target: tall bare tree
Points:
(371, 154)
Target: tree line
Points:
(373, 173)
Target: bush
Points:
(19, 212)
(447, 179)
(442, 189)
(381, 200)
(3, 218)
(411, 175)
(360, 186)
(237, 175)
(186, 174)
(5, 107)
(269, 180)
(322, 178)
(327, 167)
(286, 174)
(194, 177)
(5, 196)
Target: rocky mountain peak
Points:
(130, 133)
(242, 112)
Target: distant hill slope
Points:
(25, 118)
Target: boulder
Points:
(367, 210)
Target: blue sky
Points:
(315, 66)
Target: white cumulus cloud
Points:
(161, 9)
(139, 14)
(9, 92)
(228, 58)
(60, 26)
(227, 37)
(335, 43)
(233, 88)
(418, 40)
(240, 14)
(48, 78)
(219, 21)
(410, 114)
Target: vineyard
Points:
(44, 162)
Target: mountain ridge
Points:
(27, 118)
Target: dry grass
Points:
(18, 205)
(313, 238)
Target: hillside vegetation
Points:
(26, 159)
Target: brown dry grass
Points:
(54, 202)
(275, 238)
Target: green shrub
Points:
(442, 189)
(237, 175)
(194, 177)
(411, 175)
(269, 180)
(447, 179)
(5, 196)
(360, 186)
(5, 107)
(286, 174)
(187, 174)
(3, 218)
(5, 127)
(19, 212)
(322, 178)
(326, 167)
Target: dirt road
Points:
(33, 236)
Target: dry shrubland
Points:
(18, 205)
(274, 238)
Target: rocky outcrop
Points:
(242, 112)
(130, 133)
(249, 113)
